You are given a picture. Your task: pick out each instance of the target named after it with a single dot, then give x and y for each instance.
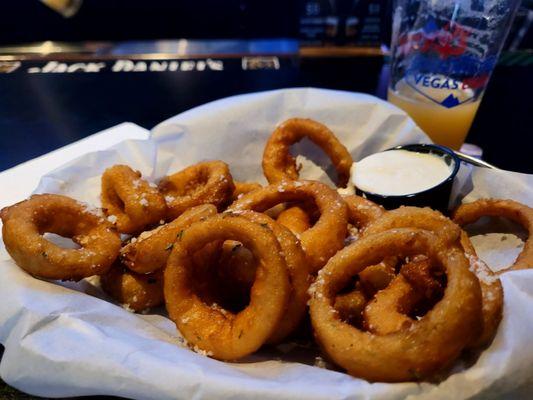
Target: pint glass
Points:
(443, 53)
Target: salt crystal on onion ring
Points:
(430, 344)
(279, 165)
(25, 223)
(129, 201)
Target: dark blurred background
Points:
(60, 81)
(338, 22)
(113, 20)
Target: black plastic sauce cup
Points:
(436, 197)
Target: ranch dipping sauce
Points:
(399, 172)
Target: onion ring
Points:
(208, 182)
(129, 201)
(430, 344)
(449, 232)
(25, 223)
(326, 237)
(520, 213)
(137, 292)
(149, 252)
(218, 332)
(279, 165)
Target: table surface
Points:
(40, 111)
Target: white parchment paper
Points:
(64, 340)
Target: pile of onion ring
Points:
(392, 295)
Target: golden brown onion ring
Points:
(216, 331)
(326, 236)
(25, 223)
(129, 201)
(279, 165)
(149, 252)
(208, 182)
(137, 292)
(430, 344)
(449, 232)
(520, 213)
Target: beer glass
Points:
(443, 53)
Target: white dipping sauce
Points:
(399, 172)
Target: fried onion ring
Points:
(149, 252)
(326, 236)
(208, 182)
(279, 165)
(137, 292)
(129, 200)
(220, 333)
(430, 344)
(25, 223)
(520, 213)
(449, 232)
